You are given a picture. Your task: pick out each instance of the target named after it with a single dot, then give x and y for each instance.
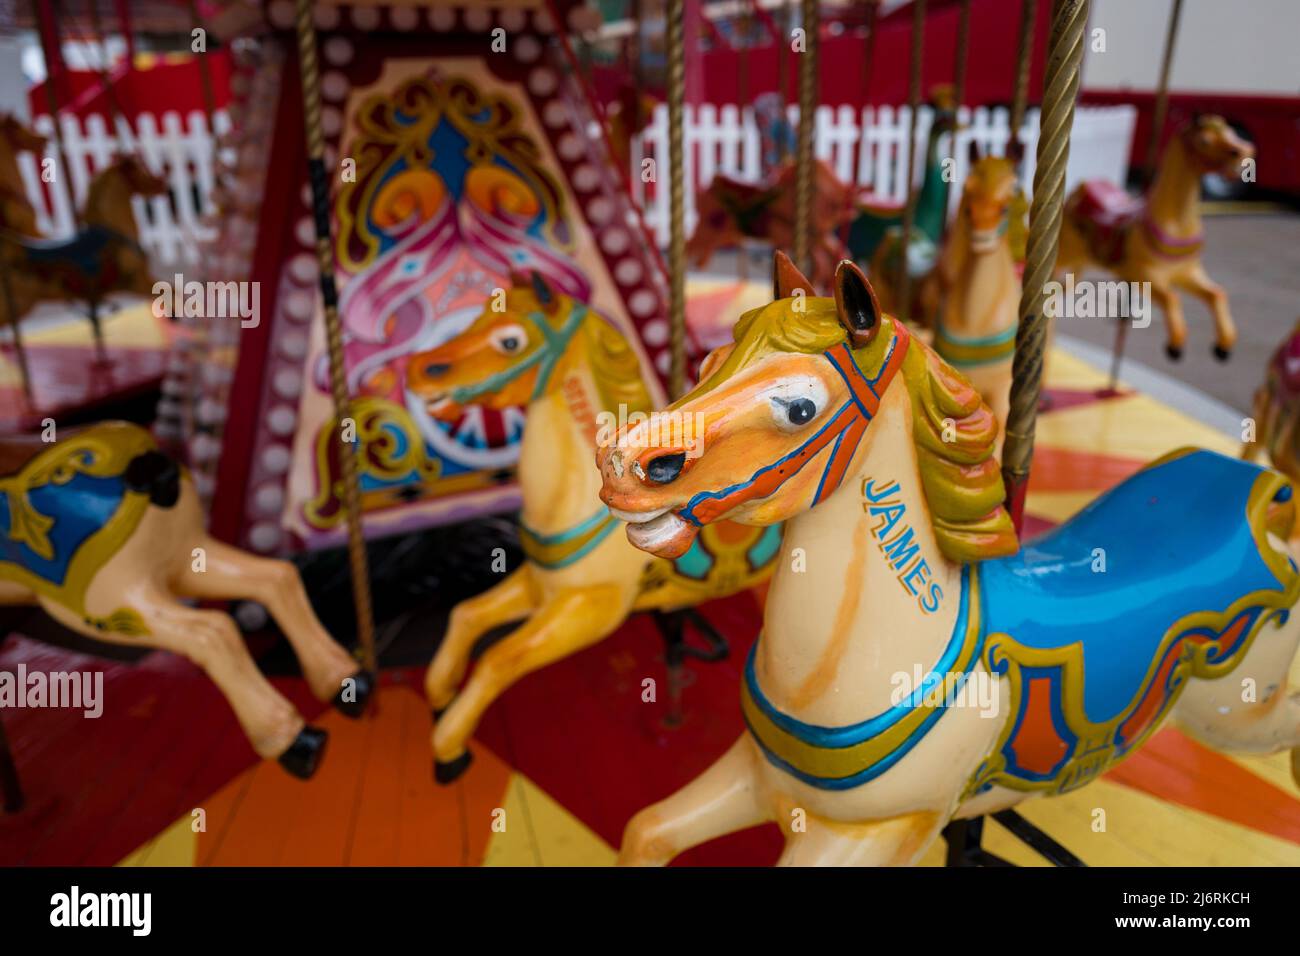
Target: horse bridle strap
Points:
(554, 344)
(842, 432)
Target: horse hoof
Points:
(363, 687)
(437, 712)
(450, 771)
(304, 754)
(1222, 354)
(1175, 352)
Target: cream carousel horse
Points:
(577, 375)
(105, 533)
(869, 693)
(104, 256)
(16, 212)
(976, 332)
(1159, 239)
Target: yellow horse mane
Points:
(953, 430)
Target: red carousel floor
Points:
(569, 753)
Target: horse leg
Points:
(212, 641)
(1216, 299)
(1175, 324)
(230, 573)
(725, 798)
(569, 622)
(1251, 709)
(507, 600)
(898, 841)
(101, 354)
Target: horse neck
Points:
(985, 294)
(108, 204)
(560, 487)
(1174, 202)
(838, 629)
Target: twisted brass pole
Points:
(1162, 92)
(803, 194)
(1024, 55)
(320, 196)
(904, 281)
(676, 200)
(1060, 91)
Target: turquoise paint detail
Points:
(554, 344)
(766, 548)
(568, 534)
(696, 563)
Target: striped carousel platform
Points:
(566, 756)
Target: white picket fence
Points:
(726, 140)
(175, 147)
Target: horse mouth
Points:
(440, 405)
(983, 240)
(665, 534)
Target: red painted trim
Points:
(285, 172)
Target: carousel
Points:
(482, 516)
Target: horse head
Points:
(718, 225)
(986, 200)
(1215, 146)
(137, 176)
(19, 137)
(507, 357)
(784, 411)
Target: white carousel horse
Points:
(828, 415)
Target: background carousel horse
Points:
(17, 214)
(731, 211)
(1159, 239)
(104, 256)
(105, 533)
(976, 332)
(1276, 410)
(577, 376)
(869, 692)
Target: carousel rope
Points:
(904, 282)
(1024, 47)
(311, 104)
(676, 200)
(1060, 91)
(803, 196)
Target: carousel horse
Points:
(868, 694)
(1276, 410)
(731, 211)
(628, 115)
(1159, 239)
(106, 534)
(976, 332)
(17, 215)
(577, 376)
(104, 256)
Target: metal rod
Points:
(904, 279)
(311, 108)
(1162, 92)
(1060, 92)
(803, 196)
(1024, 57)
(676, 199)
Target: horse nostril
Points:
(435, 369)
(665, 468)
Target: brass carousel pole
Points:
(803, 199)
(864, 80)
(1162, 92)
(904, 279)
(311, 108)
(676, 51)
(1024, 54)
(1060, 91)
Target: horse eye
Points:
(801, 411)
(510, 343)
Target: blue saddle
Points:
(84, 251)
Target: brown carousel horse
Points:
(104, 256)
(731, 211)
(1159, 239)
(106, 534)
(16, 212)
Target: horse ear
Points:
(856, 302)
(520, 279)
(786, 277)
(542, 289)
(1015, 150)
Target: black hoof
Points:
(1222, 354)
(1175, 352)
(437, 712)
(363, 685)
(450, 771)
(304, 754)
